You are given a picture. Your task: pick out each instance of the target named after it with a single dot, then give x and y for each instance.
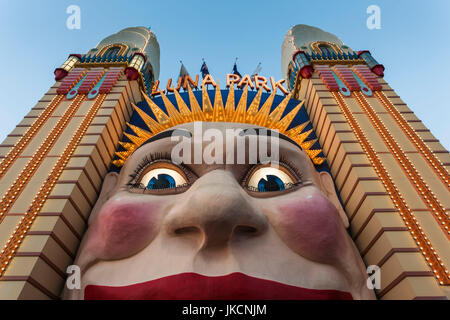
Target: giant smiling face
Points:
(220, 229)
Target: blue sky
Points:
(413, 43)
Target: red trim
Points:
(378, 70)
(75, 55)
(362, 51)
(60, 73)
(295, 54)
(131, 73)
(306, 72)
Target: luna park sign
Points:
(253, 82)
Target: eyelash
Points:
(287, 186)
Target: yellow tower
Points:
(53, 162)
(391, 172)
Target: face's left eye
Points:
(267, 179)
(162, 178)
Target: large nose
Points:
(216, 209)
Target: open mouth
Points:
(193, 286)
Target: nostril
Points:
(245, 230)
(186, 230)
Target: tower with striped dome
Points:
(53, 162)
(391, 172)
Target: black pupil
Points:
(273, 183)
(164, 181)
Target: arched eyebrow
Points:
(167, 134)
(267, 132)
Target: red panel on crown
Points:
(347, 77)
(368, 77)
(71, 80)
(110, 80)
(327, 77)
(93, 76)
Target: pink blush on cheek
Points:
(123, 228)
(311, 226)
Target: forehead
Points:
(219, 132)
(222, 126)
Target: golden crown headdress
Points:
(217, 112)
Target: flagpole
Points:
(207, 86)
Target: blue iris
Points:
(163, 181)
(273, 183)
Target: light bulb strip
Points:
(35, 161)
(18, 148)
(13, 244)
(435, 164)
(414, 177)
(431, 257)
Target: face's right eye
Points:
(267, 179)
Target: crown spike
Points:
(184, 110)
(318, 160)
(276, 114)
(195, 107)
(308, 144)
(160, 115)
(127, 146)
(219, 111)
(123, 155)
(254, 107)
(302, 137)
(174, 115)
(136, 140)
(151, 124)
(263, 113)
(284, 123)
(207, 106)
(297, 130)
(241, 109)
(141, 133)
(229, 107)
(118, 162)
(313, 154)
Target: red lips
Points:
(193, 286)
